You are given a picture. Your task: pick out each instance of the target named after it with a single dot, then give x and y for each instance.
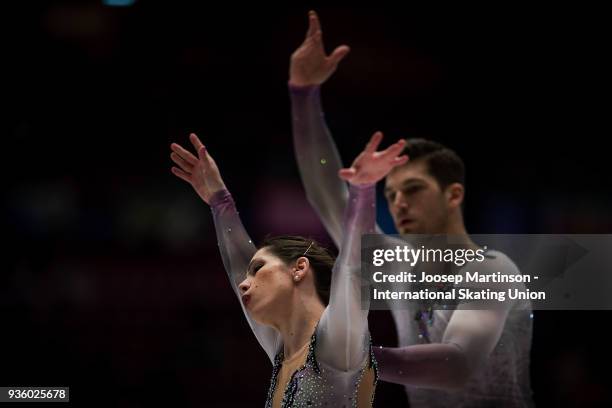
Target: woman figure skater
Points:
(303, 307)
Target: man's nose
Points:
(399, 200)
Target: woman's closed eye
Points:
(253, 270)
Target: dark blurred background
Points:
(114, 285)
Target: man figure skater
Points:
(459, 357)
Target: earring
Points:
(296, 278)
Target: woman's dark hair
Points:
(290, 247)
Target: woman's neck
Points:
(297, 329)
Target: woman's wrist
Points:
(362, 186)
(219, 197)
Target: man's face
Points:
(416, 202)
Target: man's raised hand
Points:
(309, 63)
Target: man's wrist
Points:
(301, 85)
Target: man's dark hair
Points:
(442, 163)
(290, 247)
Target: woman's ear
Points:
(302, 265)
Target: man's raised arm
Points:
(316, 154)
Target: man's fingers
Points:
(317, 39)
(310, 30)
(313, 24)
(339, 53)
(185, 154)
(374, 142)
(315, 20)
(186, 167)
(181, 174)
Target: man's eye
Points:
(390, 196)
(256, 268)
(412, 190)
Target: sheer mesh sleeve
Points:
(468, 340)
(342, 333)
(237, 249)
(318, 159)
(467, 343)
(477, 326)
(439, 365)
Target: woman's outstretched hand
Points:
(309, 63)
(201, 171)
(371, 166)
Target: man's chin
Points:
(407, 229)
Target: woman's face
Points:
(266, 290)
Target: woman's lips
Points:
(246, 299)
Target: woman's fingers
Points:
(186, 167)
(374, 142)
(394, 149)
(185, 154)
(204, 158)
(181, 174)
(398, 161)
(347, 174)
(195, 141)
(203, 155)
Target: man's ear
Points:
(454, 195)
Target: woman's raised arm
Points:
(342, 333)
(235, 245)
